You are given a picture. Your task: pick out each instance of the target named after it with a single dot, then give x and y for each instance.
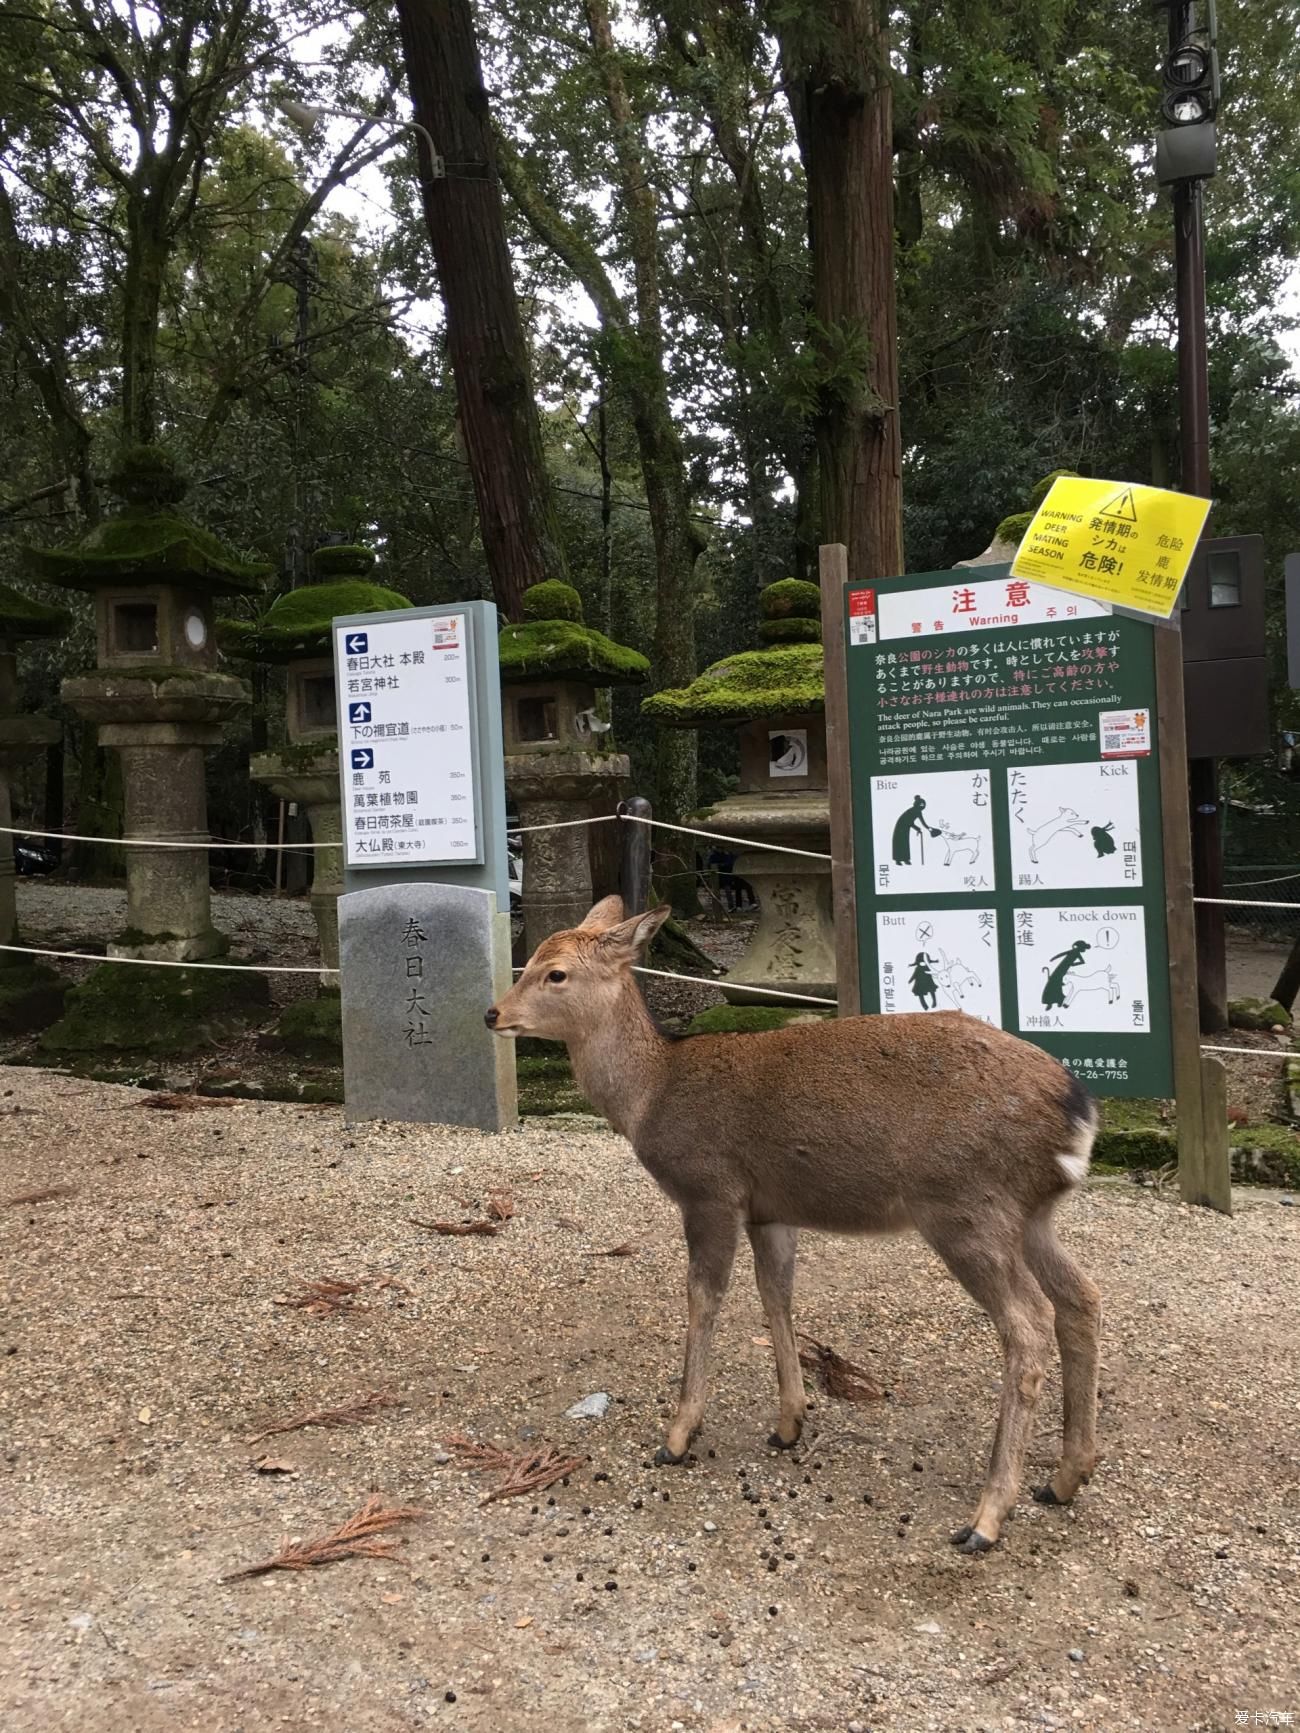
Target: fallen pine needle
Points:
(323, 1298)
(481, 1227)
(522, 1471)
(42, 1196)
(361, 1536)
(841, 1378)
(347, 1414)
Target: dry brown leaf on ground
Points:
(323, 1298)
(521, 1470)
(365, 1535)
(500, 1205)
(347, 1414)
(43, 1195)
(275, 1465)
(626, 1250)
(841, 1378)
(482, 1227)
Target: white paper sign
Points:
(1082, 970)
(932, 831)
(406, 741)
(1074, 826)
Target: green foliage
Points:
(148, 476)
(563, 650)
(298, 623)
(1039, 492)
(342, 560)
(119, 1009)
(546, 1087)
(752, 683)
(552, 600)
(747, 1019)
(790, 598)
(309, 1029)
(790, 631)
(149, 546)
(21, 617)
(1012, 529)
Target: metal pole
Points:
(634, 868)
(1194, 438)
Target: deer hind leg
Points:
(711, 1248)
(774, 1253)
(997, 1277)
(1078, 1336)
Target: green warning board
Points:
(1006, 814)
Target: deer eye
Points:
(557, 975)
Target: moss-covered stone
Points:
(772, 682)
(748, 1019)
(309, 1029)
(1135, 1149)
(21, 617)
(342, 560)
(546, 1086)
(322, 1090)
(1258, 1014)
(1266, 1155)
(790, 598)
(1039, 492)
(122, 1008)
(552, 600)
(1012, 529)
(790, 631)
(567, 650)
(31, 997)
(148, 540)
(299, 623)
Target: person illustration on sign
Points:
(1054, 990)
(1102, 840)
(922, 982)
(909, 822)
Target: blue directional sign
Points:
(356, 643)
(363, 758)
(359, 712)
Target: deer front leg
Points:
(711, 1245)
(774, 1254)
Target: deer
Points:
(857, 1125)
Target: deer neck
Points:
(619, 1064)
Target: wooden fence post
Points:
(833, 564)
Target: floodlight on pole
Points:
(306, 115)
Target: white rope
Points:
(562, 824)
(720, 836)
(167, 963)
(1255, 1052)
(1246, 884)
(160, 842)
(1244, 903)
(734, 986)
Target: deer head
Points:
(573, 979)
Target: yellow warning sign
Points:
(1129, 546)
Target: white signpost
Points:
(406, 747)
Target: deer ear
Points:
(632, 936)
(607, 913)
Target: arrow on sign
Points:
(358, 712)
(363, 758)
(356, 643)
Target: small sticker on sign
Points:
(862, 617)
(1125, 733)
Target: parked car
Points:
(34, 857)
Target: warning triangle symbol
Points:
(1121, 506)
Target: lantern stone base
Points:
(793, 946)
(309, 776)
(555, 788)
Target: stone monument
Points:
(775, 698)
(31, 995)
(421, 963)
(558, 767)
(295, 632)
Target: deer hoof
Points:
(1045, 1495)
(970, 1540)
(776, 1441)
(664, 1458)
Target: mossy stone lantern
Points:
(295, 632)
(30, 993)
(552, 665)
(775, 698)
(157, 694)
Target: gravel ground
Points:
(143, 1347)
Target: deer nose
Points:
(490, 1017)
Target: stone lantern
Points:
(157, 695)
(557, 769)
(30, 993)
(775, 699)
(295, 631)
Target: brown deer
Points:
(860, 1125)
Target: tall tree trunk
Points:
(485, 337)
(146, 263)
(840, 99)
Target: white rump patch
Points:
(1074, 1167)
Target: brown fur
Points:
(862, 1125)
